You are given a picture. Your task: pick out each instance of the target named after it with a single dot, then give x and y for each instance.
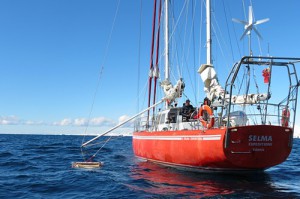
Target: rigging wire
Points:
(100, 73)
(139, 55)
(173, 32)
(235, 36)
(221, 42)
(184, 40)
(191, 40)
(185, 47)
(194, 48)
(245, 17)
(200, 32)
(182, 46)
(231, 48)
(236, 40)
(200, 43)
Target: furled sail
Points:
(209, 77)
(172, 92)
(215, 92)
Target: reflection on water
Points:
(154, 179)
(163, 180)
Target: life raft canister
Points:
(210, 123)
(285, 117)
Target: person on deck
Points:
(208, 103)
(187, 109)
(188, 105)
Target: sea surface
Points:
(39, 166)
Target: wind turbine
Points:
(249, 26)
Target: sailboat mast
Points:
(208, 33)
(172, 92)
(167, 72)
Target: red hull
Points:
(248, 148)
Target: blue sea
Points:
(39, 166)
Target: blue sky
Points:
(52, 51)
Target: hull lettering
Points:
(260, 138)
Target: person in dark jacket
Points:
(187, 109)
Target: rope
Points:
(100, 74)
(92, 157)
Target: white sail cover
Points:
(172, 92)
(212, 87)
(215, 92)
(249, 99)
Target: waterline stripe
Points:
(186, 137)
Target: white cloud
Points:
(14, 120)
(12, 124)
(98, 121)
(80, 122)
(29, 122)
(9, 120)
(123, 118)
(64, 122)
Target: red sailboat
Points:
(233, 130)
(245, 125)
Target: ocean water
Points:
(39, 166)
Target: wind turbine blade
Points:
(261, 21)
(250, 20)
(245, 32)
(240, 21)
(256, 31)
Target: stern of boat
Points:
(258, 147)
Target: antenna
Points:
(249, 26)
